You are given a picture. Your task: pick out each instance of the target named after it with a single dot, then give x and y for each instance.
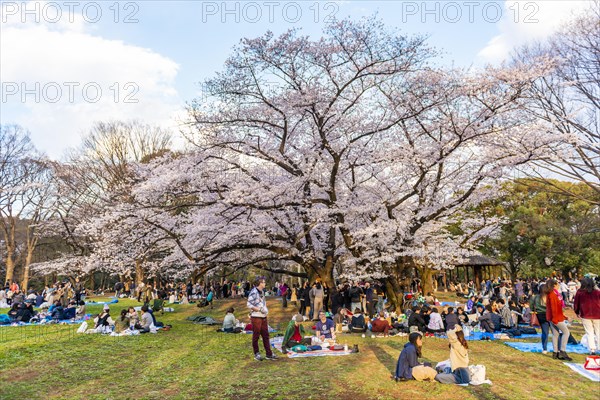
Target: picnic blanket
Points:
(93, 303)
(50, 322)
(492, 336)
(450, 303)
(271, 330)
(276, 343)
(203, 320)
(537, 347)
(591, 375)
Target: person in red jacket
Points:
(587, 306)
(556, 318)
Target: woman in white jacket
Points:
(459, 358)
(436, 325)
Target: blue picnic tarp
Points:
(93, 303)
(536, 347)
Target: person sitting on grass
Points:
(505, 314)
(103, 321)
(417, 319)
(147, 319)
(436, 325)
(408, 366)
(358, 323)
(134, 318)
(496, 319)
(380, 324)
(122, 323)
(294, 334)
(80, 310)
(229, 322)
(325, 328)
(70, 311)
(463, 319)
(485, 320)
(459, 358)
(339, 318)
(451, 319)
(24, 312)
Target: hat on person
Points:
(106, 307)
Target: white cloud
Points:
(526, 20)
(45, 57)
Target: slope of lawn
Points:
(194, 362)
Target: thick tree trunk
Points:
(426, 283)
(322, 272)
(394, 294)
(10, 266)
(139, 272)
(394, 288)
(28, 259)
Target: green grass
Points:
(195, 362)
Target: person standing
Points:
(283, 289)
(554, 315)
(587, 306)
(538, 307)
(78, 290)
(304, 298)
(369, 300)
(318, 296)
(355, 293)
(257, 304)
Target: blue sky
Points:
(62, 70)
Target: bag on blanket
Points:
(299, 348)
(592, 363)
(444, 366)
(336, 347)
(314, 347)
(477, 374)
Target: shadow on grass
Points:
(384, 358)
(484, 392)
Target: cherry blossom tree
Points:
(93, 181)
(567, 100)
(351, 148)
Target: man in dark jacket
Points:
(485, 320)
(24, 312)
(369, 297)
(355, 293)
(451, 319)
(337, 300)
(416, 319)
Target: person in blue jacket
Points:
(408, 366)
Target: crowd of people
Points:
(353, 307)
(64, 301)
(61, 301)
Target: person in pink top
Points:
(587, 306)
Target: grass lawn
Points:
(195, 362)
